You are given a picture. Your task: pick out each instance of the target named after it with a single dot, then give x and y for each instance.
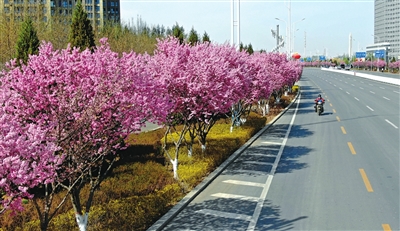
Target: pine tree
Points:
(193, 37)
(206, 38)
(178, 32)
(250, 49)
(81, 33)
(28, 42)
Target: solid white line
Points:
(224, 214)
(356, 98)
(361, 88)
(257, 162)
(270, 142)
(372, 92)
(391, 124)
(370, 108)
(234, 196)
(239, 182)
(347, 92)
(386, 98)
(257, 210)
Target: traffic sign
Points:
(322, 57)
(380, 54)
(361, 54)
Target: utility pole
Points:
(235, 23)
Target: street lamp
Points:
(294, 31)
(287, 36)
(379, 39)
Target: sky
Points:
(324, 31)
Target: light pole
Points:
(287, 37)
(294, 31)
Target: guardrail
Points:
(366, 76)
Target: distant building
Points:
(387, 28)
(99, 11)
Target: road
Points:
(337, 171)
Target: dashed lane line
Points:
(352, 150)
(370, 108)
(343, 130)
(386, 98)
(391, 124)
(338, 119)
(347, 92)
(386, 227)
(235, 216)
(334, 111)
(234, 196)
(356, 99)
(372, 92)
(366, 181)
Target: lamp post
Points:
(287, 36)
(294, 31)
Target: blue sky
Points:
(327, 23)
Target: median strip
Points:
(366, 181)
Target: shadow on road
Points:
(229, 214)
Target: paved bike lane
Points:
(231, 197)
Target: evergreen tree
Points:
(206, 38)
(81, 33)
(178, 32)
(241, 46)
(28, 42)
(193, 37)
(250, 49)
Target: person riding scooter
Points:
(319, 99)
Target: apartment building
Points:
(99, 11)
(387, 27)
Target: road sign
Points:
(361, 54)
(309, 59)
(380, 54)
(322, 57)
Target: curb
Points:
(174, 211)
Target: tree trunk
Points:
(82, 221)
(175, 168)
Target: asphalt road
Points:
(337, 171)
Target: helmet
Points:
(319, 96)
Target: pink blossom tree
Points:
(86, 103)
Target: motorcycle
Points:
(320, 107)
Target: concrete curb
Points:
(174, 211)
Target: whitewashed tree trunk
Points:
(175, 168)
(267, 109)
(286, 93)
(190, 150)
(231, 129)
(203, 148)
(82, 221)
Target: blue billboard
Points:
(380, 54)
(322, 57)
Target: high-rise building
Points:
(387, 26)
(99, 11)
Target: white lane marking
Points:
(246, 183)
(263, 196)
(356, 98)
(370, 84)
(224, 214)
(391, 124)
(370, 108)
(257, 162)
(362, 82)
(361, 88)
(334, 85)
(250, 172)
(340, 88)
(372, 92)
(270, 142)
(386, 98)
(347, 92)
(353, 85)
(234, 196)
(381, 87)
(396, 92)
(345, 82)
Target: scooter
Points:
(320, 107)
